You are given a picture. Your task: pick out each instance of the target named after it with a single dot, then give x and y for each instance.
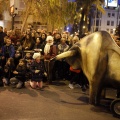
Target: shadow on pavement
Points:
(100, 109)
(73, 103)
(26, 90)
(51, 95)
(84, 99)
(58, 83)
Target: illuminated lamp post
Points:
(13, 10)
(13, 16)
(84, 28)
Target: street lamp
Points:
(13, 10)
(13, 15)
(83, 27)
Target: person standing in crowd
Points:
(38, 47)
(57, 38)
(33, 36)
(18, 52)
(77, 78)
(1, 67)
(8, 50)
(50, 51)
(22, 37)
(2, 35)
(74, 40)
(37, 70)
(74, 77)
(13, 37)
(43, 38)
(20, 75)
(61, 66)
(28, 43)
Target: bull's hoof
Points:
(94, 102)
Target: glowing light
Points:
(67, 28)
(83, 27)
(1, 23)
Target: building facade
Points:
(107, 21)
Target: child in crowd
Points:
(18, 52)
(8, 71)
(20, 74)
(38, 71)
(28, 58)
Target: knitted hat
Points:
(35, 55)
(49, 38)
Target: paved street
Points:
(56, 102)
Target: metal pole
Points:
(13, 18)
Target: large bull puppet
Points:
(99, 57)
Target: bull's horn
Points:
(65, 54)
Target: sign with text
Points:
(112, 3)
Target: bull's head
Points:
(72, 56)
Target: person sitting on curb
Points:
(19, 80)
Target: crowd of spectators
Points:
(27, 57)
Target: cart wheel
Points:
(115, 107)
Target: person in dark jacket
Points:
(1, 68)
(38, 71)
(50, 51)
(8, 50)
(2, 35)
(8, 71)
(20, 78)
(18, 52)
(38, 47)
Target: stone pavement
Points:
(56, 102)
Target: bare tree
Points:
(56, 13)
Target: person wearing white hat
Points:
(49, 43)
(36, 55)
(38, 71)
(50, 51)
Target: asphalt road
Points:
(56, 102)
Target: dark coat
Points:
(2, 35)
(9, 73)
(39, 46)
(37, 66)
(53, 52)
(10, 50)
(21, 73)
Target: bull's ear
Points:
(66, 54)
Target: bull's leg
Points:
(94, 93)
